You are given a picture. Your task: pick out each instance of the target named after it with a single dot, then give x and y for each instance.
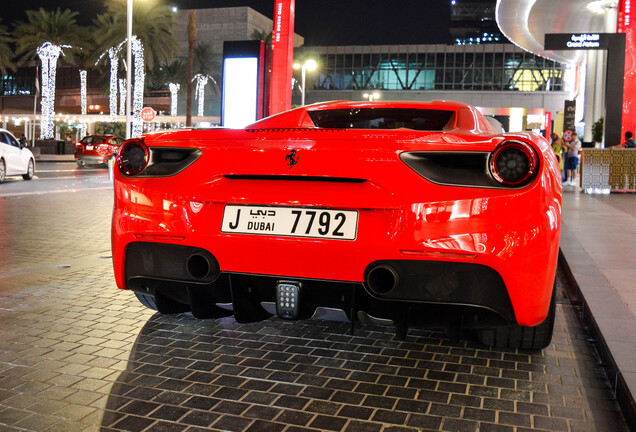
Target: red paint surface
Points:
(282, 57)
(401, 214)
(513, 231)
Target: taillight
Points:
(513, 163)
(133, 157)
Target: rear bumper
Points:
(513, 234)
(183, 278)
(91, 159)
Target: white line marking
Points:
(16, 194)
(71, 170)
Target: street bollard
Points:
(111, 169)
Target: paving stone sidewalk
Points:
(77, 354)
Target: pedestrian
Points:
(572, 161)
(557, 147)
(23, 141)
(629, 142)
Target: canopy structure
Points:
(525, 23)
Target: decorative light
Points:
(48, 54)
(122, 96)
(201, 80)
(174, 90)
(138, 91)
(114, 65)
(83, 73)
(113, 53)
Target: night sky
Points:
(320, 22)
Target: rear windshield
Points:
(92, 139)
(382, 118)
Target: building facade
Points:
(499, 78)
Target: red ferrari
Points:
(396, 213)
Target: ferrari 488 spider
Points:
(395, 213)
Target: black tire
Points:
(514, 336)
(30, 170)
(147, 301)
(81, 164)
(3, 170)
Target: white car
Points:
(15, 159)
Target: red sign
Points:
(547, 120)
(625, 24)
(147, 114)
(280, 90)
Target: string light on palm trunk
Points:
(174, 91)
(138, 90)
(113, 53)
(83, 74)
(122, 96)
(114, 66)
(201, 81)
(48, 54)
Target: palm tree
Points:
(263, 36)
(152, 24)
(192, 37)
(175, 72)
(47, 34)
(208, 63)
(169, 72)
(6, 55)
(57, 27)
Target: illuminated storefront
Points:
(501, 67)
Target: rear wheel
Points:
(81, 163)
(147, 301)
(3, 170)
(514, 336)
(30, 171)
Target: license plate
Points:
(291, 222)
(89, 147)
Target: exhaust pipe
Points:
(198, 266)
(382, 279)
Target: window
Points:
(382, 118)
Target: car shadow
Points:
(183, 371)
(186, 373)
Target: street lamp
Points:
(371, 96)
(309, 65)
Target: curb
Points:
(621, 387)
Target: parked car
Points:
(15, 159)
(392, 213)
(96, 149)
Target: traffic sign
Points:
(567, 135)
(147, 114)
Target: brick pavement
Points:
(78, 354)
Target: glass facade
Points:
(493, 67)
(21, 82)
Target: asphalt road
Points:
(77, 354)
